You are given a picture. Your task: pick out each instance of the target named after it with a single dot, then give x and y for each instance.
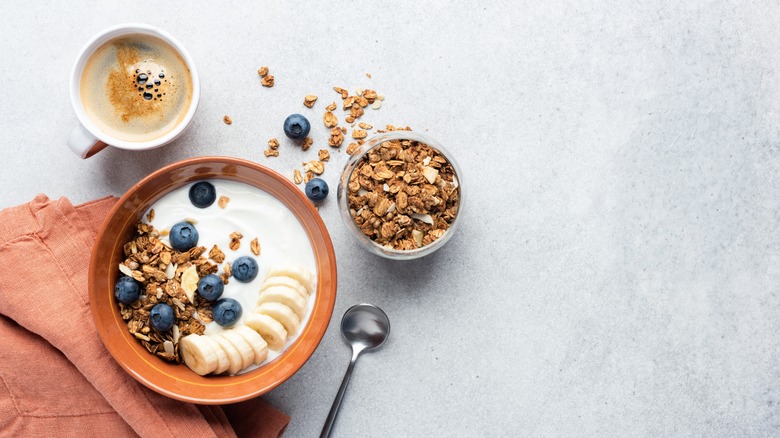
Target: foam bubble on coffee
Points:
(136, 88)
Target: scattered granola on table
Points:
(336, 137)
(344, 93)
(227, 120)
(330, 119)
(309, 100)
(403, 194)
(356, 111)
(273, 144)
(369, 95)
(315, 166)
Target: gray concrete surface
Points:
(618, 270)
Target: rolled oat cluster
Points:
(162, 271)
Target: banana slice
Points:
(282, 314)
(286, 296)
(232, 353)
(278, 280)
(189, 282)
(271, 330)
(238, 341)
(303, 275)
(224, 362)
(256, 341)
(199, 353)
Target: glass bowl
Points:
(343, 200)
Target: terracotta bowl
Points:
(177, 381)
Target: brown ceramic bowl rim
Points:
(146, 368)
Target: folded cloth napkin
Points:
(56, 376)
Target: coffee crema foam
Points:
(136, 88)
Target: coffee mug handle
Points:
(83, 143)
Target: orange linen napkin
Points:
(56, 376)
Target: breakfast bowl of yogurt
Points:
(212, 280)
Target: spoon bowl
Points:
(365, 325)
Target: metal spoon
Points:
(366, 327)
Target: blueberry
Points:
(245, 269)
(203, 194)
(210, 287)
(317, 189)
(127, 290)
(183, 236)
(161, 317)
(226, 312)
(296, 127)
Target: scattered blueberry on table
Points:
(245, 269)
(296, 126)
(211, 287)
(203, 194)
(161, 317)
(127, 290)
(226, 312)
(183, 236)
(317, 189)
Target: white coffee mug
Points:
(87, 139)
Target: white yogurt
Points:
(253, 213)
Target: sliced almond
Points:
(189, 282)
(168, 346)
(430, 174)
(125, 270)
(428, 219)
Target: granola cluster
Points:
(309, 100)
(171, 277)
(403, 194)
(267, 79)
(161, 271)
(355, 104)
